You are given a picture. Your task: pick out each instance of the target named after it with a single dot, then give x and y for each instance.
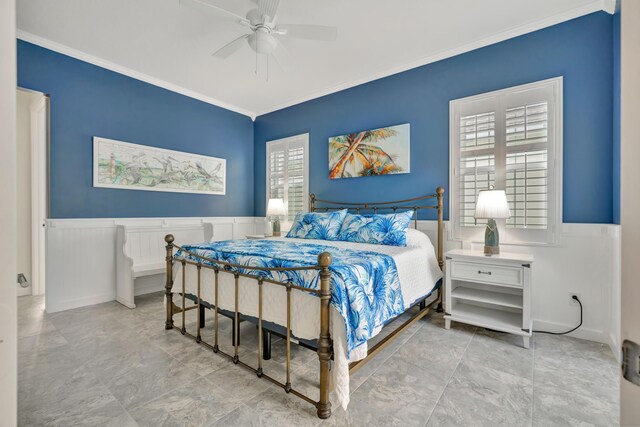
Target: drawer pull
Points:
(484, 272)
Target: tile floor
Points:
(106, 365)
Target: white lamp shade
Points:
(492, 204)
(275, 207)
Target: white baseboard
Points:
(23, 291)
(69, 304)
(615, 346)
(582, 333)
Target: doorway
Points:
(32, 135)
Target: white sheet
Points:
(418, 272)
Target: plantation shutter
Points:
(511, 140)
(526, 129)
(287, 173)
(477, 162)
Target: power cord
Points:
(575, 297)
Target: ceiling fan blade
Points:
(310, 32)
(206, 7)
(268, 8)
(230, 48)
(282, 56)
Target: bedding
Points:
(365, 289)
(416, 273)
(377, 229)
(317, 225)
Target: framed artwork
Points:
(118, 164)
(383, 151)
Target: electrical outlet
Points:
(571, 301)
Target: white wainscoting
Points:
(81, 255)
(81, 268)
(585, 262)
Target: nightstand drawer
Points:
(497, 274)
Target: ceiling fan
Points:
(265, 30)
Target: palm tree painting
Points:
(381, 151)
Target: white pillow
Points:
(418, 238)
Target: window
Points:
(512, 140)
(288, 173)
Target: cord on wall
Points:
(575, 297)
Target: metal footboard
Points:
(323, 405)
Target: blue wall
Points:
(580, 50)
(89, 101)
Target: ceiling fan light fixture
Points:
(262, 41)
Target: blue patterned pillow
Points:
(389, 229)
(316, 225)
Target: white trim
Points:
(98, 140)
(80, 223)
(582, 333)
(79, 302)
(77, 54)
(82, 266)
(39, 193)
(8, 217)
(610, 6)
(593, 6)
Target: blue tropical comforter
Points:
(365, 288)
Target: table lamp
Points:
(275, 209)
(492, 204)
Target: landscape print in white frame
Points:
(123, 165)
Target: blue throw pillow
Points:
(317, 225)
(389, 229)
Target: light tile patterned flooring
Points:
(106, 365)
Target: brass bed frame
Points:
(324, 343)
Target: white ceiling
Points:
(166, 44)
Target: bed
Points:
(329, 296)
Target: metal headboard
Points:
(414, 204)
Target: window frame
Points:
(550, 90)
(304, 139)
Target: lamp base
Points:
(491, 238)
(276, 228)
(491, 250)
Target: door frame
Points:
(39, 191)
(8, 213)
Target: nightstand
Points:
(256, 236)
(489, 291)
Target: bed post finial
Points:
(312, 202)
(169, 239)
(324, 343)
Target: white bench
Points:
(140, 256)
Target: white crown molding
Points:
(77, 54)
(608, 6)
(611, 6)
(593, 6)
